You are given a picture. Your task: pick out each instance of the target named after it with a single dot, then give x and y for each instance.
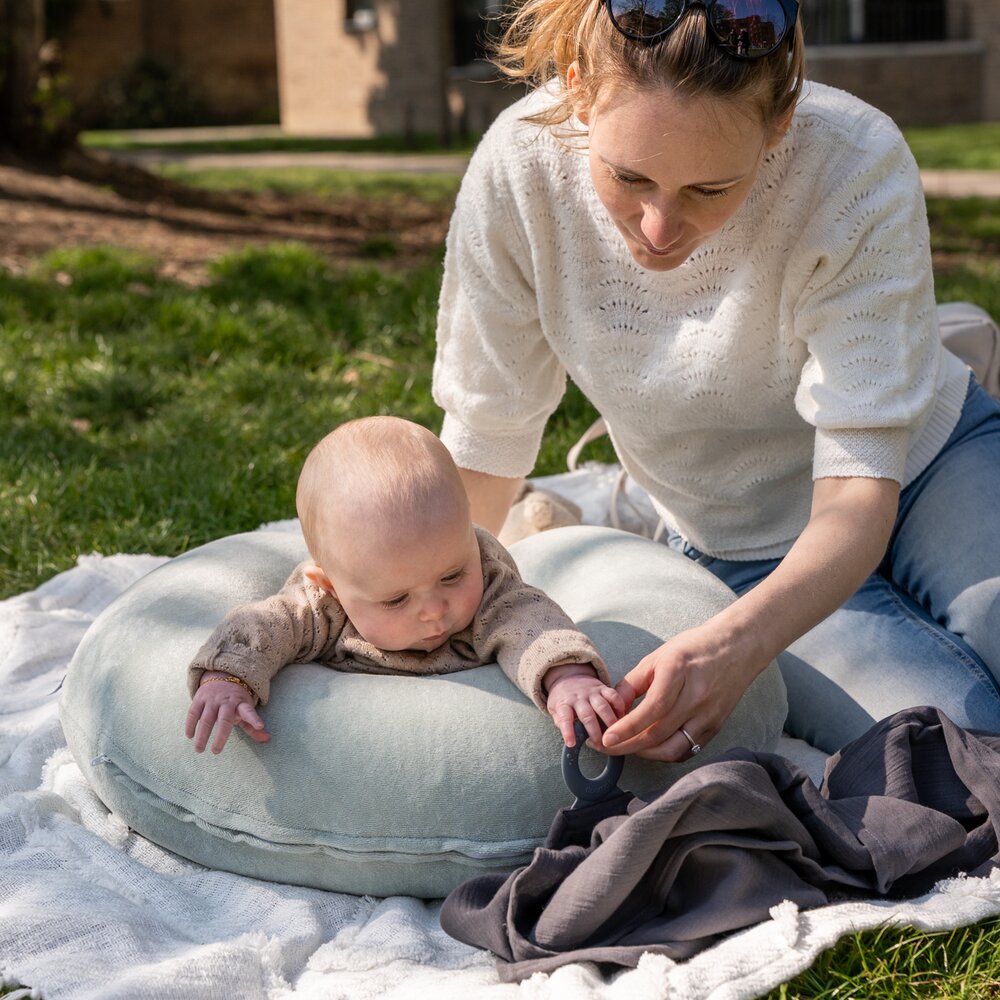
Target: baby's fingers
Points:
(608, 704)
(563, 717)
(226, 720)
(249, 715)
(251, 723)
(191, 721)
(205, 725)
(587, 714)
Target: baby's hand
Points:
(576, 692)
(229, 705)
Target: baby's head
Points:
(386, 519)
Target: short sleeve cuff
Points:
(871, 453)
(509, 455)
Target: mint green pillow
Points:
(373, 785)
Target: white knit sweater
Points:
(799, 342)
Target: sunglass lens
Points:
(749, 28)
(645, 18)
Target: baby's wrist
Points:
(221, 675)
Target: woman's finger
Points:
(672, 750)
(653, 709)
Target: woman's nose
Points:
(660, 225)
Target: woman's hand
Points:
(692, 682)
(225, 705)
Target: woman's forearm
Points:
(696, 678)
(490, 497)
(844, 541)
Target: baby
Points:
(399, 581)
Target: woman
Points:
(735, 268)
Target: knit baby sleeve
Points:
(867, 311)
(495, 375)
(299, 624)
(523, 629)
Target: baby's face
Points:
(411, 593)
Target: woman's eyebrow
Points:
(621, 169)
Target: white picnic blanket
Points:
(89, 909)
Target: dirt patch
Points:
(91, 202)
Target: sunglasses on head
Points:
(744, 29)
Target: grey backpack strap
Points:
(972, 334)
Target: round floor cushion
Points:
(371, 784)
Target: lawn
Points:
(956, 147)
(144, 415)
(148, 416)
(434, 189)
(270, 143)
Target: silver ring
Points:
(695, 747)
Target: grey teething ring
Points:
(589, 790)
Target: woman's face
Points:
(672, 171)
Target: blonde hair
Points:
(543, 38)
(384, 471)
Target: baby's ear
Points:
(314, 574)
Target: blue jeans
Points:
(924, 628)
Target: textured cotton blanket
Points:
(90, 910)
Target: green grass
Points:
(904, 964)
(965, 236)
(431, 188)
(142, 415)
(956, 147)
(145, 416)
(429, 144)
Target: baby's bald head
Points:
(375, 475)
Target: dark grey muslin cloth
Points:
(914, 800)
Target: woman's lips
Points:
(659, 253)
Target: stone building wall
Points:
(391, 74)
(384, 75)
(980, 19)
(915, 83)
(224, 49)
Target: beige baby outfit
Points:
(516, 626)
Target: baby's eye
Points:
(453, 578)
(395, 602)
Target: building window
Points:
(360, 15)
(476, 23)
(845, 22)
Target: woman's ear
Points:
(574, 82)
(315, 575)
(780, 129)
